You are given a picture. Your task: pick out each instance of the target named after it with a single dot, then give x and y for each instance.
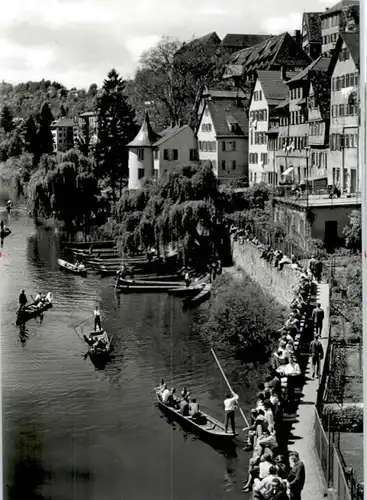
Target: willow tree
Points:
(181, 210)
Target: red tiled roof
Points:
(223, 113)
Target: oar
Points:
(84, 321)
(229, 387)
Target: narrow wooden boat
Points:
(5, 232)
(186, 291)
(72, 268)
(98, 351)
(32, 311)
(209, 427)
(199, 298)
(141, 288)
(138, 282)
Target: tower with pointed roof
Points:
(141, 154)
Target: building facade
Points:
(63, 134)
(344, 126)
(311, 34)
(343, 16)
(177, 146)
(223, 138)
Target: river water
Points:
(72, 431)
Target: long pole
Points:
(229, 387)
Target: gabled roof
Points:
(243, 41)
(223, 94)
(146, 135)
(278, 50)
(223, 113)
(273, 87)
(63, 122)
(351, 40)
(312, 21)
(171, 132)
(208, 39)
(321, 64)
(344, 4)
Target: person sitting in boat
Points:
(194, 409)
(185, 407)
(48, 297)
(161, 386)
(184, 392)
(172, 399)
(97, 319)
(80, 266)
(22, 300)
(166, 394)
(37, 298)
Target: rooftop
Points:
(321, 64)
(205, 40)
(320, 200)
(226, 112)
(146, 135)
(170, 132)
(63, 122)
(313, 24)
(274, 88)
(280, 50)
(243, 41)
(88, 113)
(344, 4)
(223, 94)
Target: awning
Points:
(288, 171)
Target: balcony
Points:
(320, 199)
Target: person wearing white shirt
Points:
(166, 395)
(97, 319)
(230, 404)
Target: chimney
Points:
(297, 37)
(283, 73)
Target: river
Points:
(71, 431)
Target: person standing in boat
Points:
(97, 319)
(187, 278)
(230, 404)
(9, 206)
(22, 300)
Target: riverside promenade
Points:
(302, 437)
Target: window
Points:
(233, 164)
(223, 164)
(171, 154)
(223, 146)
(264, 158)
(141, 154)
(214, 165)
(206, 127)
(140, 173)
(156, 154)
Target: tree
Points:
(170, 77)
(62, 110)
(353, 232)
(30, 137)
(7, 119)
(44, 135)
(116, 128)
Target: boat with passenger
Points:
(34, 309)
(76, 268)
(204, 425)
(99, 344)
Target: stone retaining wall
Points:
(280, 284)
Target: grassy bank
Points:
(241, 322)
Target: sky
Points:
(76, 42)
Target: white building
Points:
(269, 91)
(63, 134)
(177, 146)
(223, 138)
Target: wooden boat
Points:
(32, 311)
(72, 268)
(137, 282)
(95, 336)
(209, 428)
(5, 232)
(141, 288)
(186, 291)
(200, 297)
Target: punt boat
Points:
(186, 291)
(209, 427)
(199, 298)
(138, 282)
(72, 268)
(98, 352)
(32, 311)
